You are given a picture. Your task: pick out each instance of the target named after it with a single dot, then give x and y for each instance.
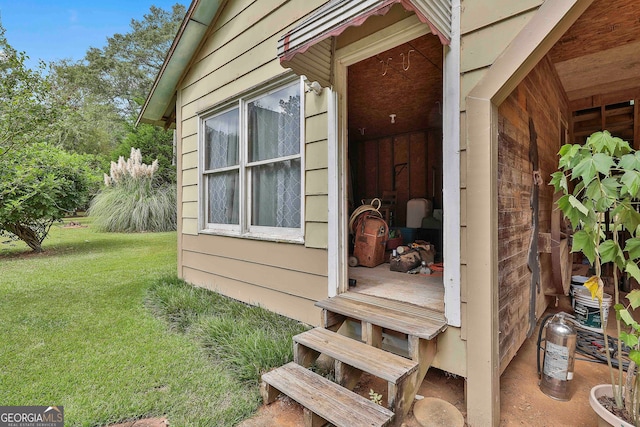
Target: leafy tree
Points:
(156, 144)
(123, 71)
(91, 124)
(26, 109)
(39, 185)
(106, 88)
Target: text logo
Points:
(31, 416)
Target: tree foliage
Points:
(39, 185)
(122, 72)
(90, 124)
(156, 144)
(86, 107)
(106, 88)
(26, 108)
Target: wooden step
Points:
(323, 399)
(397, 316)
(380, 363)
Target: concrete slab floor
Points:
(521, 401)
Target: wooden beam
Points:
(620, 91)
(311, 419)
(331, 320)
(303, 355)
(372, 334)
(636, 125)
(346, 375)
(269, 394)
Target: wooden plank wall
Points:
(539, 97)
(415, 159)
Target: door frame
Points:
(385, 39)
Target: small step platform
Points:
(382, 364)
(322, 399)
(397, 316)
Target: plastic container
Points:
(587, 310)
(416, 210)
(408, 234)
(577, 282)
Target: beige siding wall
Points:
(240, 53)
(487, 28)
(316, 167)
(287, 279)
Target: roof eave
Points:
(157, 107)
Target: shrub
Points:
(39, 185)
(131, 201)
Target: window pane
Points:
(276, 194)
(224, 192)
(274, 125)
(221, 140)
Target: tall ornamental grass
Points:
(131, 201)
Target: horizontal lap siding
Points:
(238, 54)
(301, 309)
(487, 28)
(273, 275)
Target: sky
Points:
(66, 29)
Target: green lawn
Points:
(77, 330)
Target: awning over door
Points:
(308, 48)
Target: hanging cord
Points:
(362, 209)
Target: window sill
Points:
(299, 240)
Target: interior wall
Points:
(402, 152)
(410, 164)
(532, 117)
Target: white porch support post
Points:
(483, 362)
(336, 251)
(451, 168)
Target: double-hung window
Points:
(252, 165)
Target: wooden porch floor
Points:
(423, 291)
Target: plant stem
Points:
(616, 293)
(616, 387)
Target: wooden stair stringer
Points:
(352, 358)
(420, 325)
(423, 352)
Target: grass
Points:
(98, 323)
(246, 340)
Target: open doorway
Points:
(395, 155)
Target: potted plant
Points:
(600, 186)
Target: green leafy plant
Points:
(39, 185)
(375, 397)
(600, 185)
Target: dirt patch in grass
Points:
(147, 422)
(74, 224)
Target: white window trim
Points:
(244, 229)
